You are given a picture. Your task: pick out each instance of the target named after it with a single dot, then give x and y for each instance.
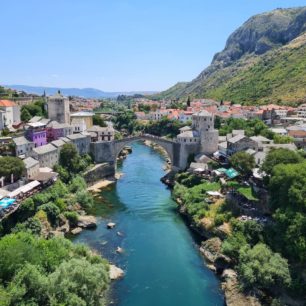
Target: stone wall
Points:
(99, 172)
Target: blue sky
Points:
(117, 45)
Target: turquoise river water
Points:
(161, 260)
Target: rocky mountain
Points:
(79, 92)
(263, 61)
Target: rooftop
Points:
(35, 119)
(96, 128)
(76, 136)
(58, 143)
(65, 139)
(36, 124)
(185, 128)
(7, 103)
(82, 114)
(48, 148)
(19, 141)
(188, 134)
(236, 138)
(29, 162)
(260, 138)
(203, 113)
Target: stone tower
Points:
(203, 122)
(58, 108)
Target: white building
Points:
(301, 111)
(11, 113)
(23, 146)
(2, 119)
(185, 116)
(78, 125)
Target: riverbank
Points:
(161, 151)
(96, 187)
(211, 246)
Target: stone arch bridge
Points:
(177, 152)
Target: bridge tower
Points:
(203, 122)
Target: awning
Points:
(231, 173)
(214, 193)
(24, 189)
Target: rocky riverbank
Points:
(161, 151)
(219, 263)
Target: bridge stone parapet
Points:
(177, 152)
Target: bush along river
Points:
(160, 256)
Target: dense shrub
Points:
(52, 212)
(36, 271)
(260, 267)
(72, 217)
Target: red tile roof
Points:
(7, 103)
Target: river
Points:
(161, 259)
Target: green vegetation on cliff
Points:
(263, 61)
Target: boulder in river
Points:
(76, 231)
(111, 225)
(87, 222)
(115, 272)
(119, 250)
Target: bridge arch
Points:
(108, 151)
(167, 145)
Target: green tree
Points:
(279, 156)
(52, 212)
(85, 199)
(81, 281)
(11, 166)
(260, 267)
(29, 287)
(243, 162)
(282, 139)
(77, 184)
(188, 101)
(69, 157)
(98, 120)
(25, 115)
(287, 188)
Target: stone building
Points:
(31, 166)
(78, 125)
(23, 146)
(82, 142)
(47, 155)
(240, 143)
(57, 130)
(203, 123)
(58, 108)
(188, 137)
(84, 118)
(101, 133)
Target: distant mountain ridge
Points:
(79, 92)
(264, 60)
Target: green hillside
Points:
(263, 61)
